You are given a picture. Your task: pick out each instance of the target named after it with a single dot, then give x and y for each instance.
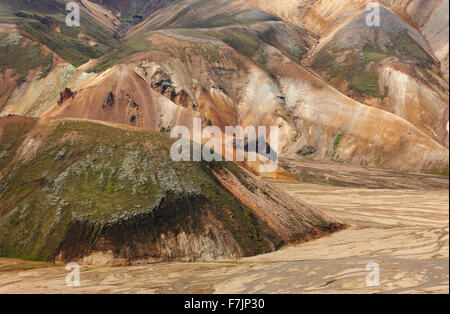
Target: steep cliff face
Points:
(110, 194)
(374, 96)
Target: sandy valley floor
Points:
(405, 231)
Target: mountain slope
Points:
(110, 194)
(390, 67)
(358, 95)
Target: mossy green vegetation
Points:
(194, 15)
(271, 36)
(238, 39)
(22, 55)
(378, 159)
(337, 141)
(244, 43)
(371, 55)
(219, 20)
(85, 176)
(65, 43)
(210, 52)
(403, 45)
(125, 50)
(225, 18)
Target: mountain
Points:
(357, 94)
(110, 194)
(341, 92)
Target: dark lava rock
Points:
(307, 150)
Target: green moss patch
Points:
(121, 54)
(358, 67)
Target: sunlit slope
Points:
(78, 190)
(44, 21)
(335, 87)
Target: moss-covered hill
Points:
(71, 190)
(44, 22)
(22, 55)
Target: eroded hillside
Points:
(338, 89)
(110, 194)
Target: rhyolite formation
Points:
(315, 69)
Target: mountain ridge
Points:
(78, 190)
(238, 45)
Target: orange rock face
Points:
(358, 95)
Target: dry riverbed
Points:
(404, 231)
